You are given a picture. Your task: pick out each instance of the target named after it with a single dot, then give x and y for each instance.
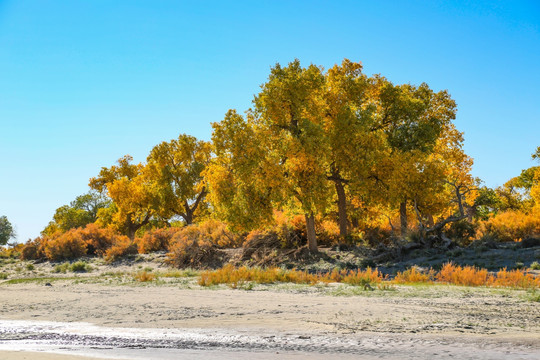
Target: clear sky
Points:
(84, 82)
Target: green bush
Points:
(61, 268)
(80, 266)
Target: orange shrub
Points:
(511, 226)
(515, 278)
(97, 239)
(467, 275)
(194, 246)
(413, 275)
(237, 276)
(144, 276)
(67, 246)
(121, 246)
(364, 277)
(34, 249)
(11, 251)
(156, 240)
(327, 232)
(217, 233)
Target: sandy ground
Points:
(268, 322)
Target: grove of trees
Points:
(344, 157)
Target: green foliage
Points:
(61, 268)
(79, 213)
(6, 230)
(80, 266)
(176, 167)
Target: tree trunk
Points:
(403, 217)
(132, 229)
(354, 222)
(189, 217)
(311, 236)
(342, 209)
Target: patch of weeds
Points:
(533, 295)
(180, 273)
(3, 276)
(518, 265)
(114, 273)
(535, 265)
(61, 268)
(30, 267)
(386, 287)
(144, 276)
(148, 269)
(18, 269)
(80, 266)
(36, 280)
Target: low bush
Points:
(144, 276)
(156, 240)
(414, 275)
(98, 240)
(66, 246)
(363, 278)
(511, 226)
(61, 268)
(11, 251)
(236, 277)
(80, 266)
(194, 247)
(467, 275)
(34, 249)
(122, 246)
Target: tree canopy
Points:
(6, 230)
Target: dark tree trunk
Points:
(342, 209)
(354, 222)
(188, 218)
(311, 236)
(403, 217)
(430, 220)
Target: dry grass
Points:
(449, 274)
(144, 276)
(413, 275)
(237, 276)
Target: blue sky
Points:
(84, 82)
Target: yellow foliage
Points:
(467, 275)
(413, 275)
(236, 277)
(195, 245)
(122, 246)
(69, 245)
(144, 276)
(511, 226)
(156, 240)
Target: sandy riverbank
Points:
(409, 322)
